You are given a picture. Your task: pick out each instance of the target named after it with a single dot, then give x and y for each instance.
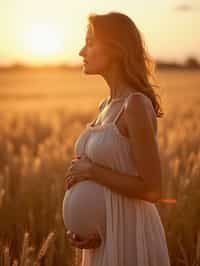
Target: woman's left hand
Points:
(90, 242)
(79, 170)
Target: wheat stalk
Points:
(6, 256)
(47, 243)
(24, 248)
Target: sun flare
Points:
(43, 40)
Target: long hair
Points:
(119, 33)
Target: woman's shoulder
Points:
(140, 101)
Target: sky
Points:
(49, 31)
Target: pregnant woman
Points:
(115, 179)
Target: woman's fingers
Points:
(92, 242)
(67, 174)
(73, 236)
(85, 244)
(97, 240)
(69, 181)
(95, 243)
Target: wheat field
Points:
(41, 114)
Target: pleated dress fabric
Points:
(134, 234)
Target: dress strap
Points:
(119, 113)
(101, 107)
(102, 104)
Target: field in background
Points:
(41, 115)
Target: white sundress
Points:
(135, 234)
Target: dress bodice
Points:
(104, 144)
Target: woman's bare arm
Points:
(147, 185)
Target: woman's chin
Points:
(85, 69)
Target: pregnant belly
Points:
(84, 209)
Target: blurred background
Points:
(41, 85)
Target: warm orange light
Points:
(43, 40)
(168, 200)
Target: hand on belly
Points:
(93, 241)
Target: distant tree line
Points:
(189, 63)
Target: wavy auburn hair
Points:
(121, 36)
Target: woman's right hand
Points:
(68, 180)
(93, 241)
(67, 183)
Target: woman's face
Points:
(95, 59)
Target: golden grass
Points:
(41, 116)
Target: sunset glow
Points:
(43, 40)
(54, 31)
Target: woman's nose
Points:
(81, 53)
